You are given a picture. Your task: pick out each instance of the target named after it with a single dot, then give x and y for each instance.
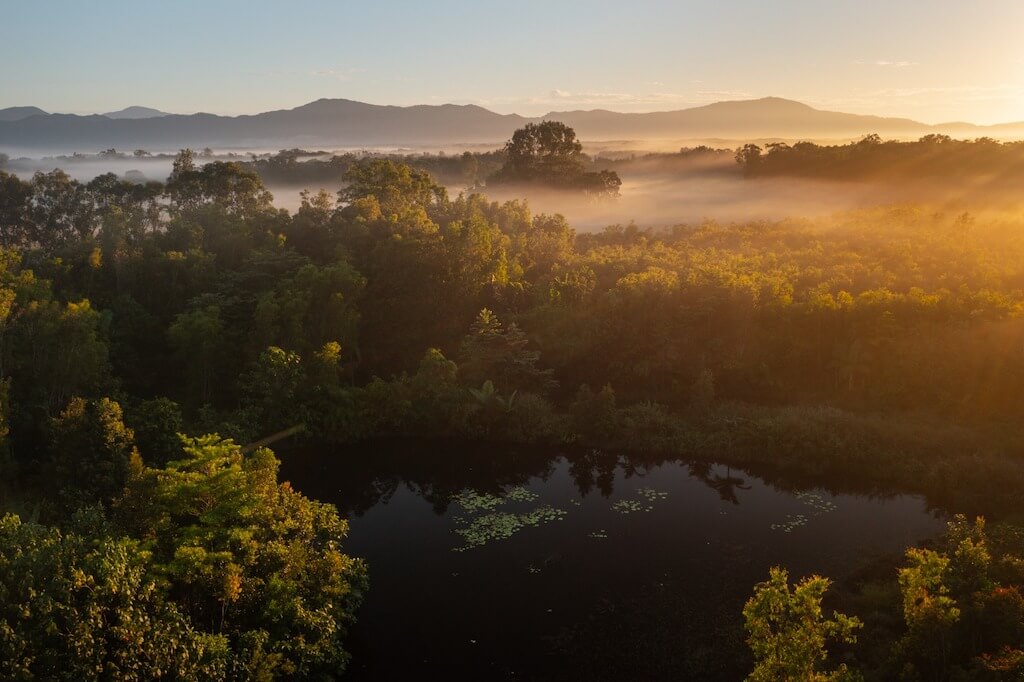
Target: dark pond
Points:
(494, 562)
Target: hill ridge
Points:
(344, 122)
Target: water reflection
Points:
(726, 486)
(370, 474)
(505, 562)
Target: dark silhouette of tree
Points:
(549, 154)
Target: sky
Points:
(935, 60)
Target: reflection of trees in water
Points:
(379, 491)
(357, 478)
(726, 486)
(360, 477)
(594, 468)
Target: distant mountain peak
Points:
(18, 113)
(768, 104)
(343, 122)
(328, 102)
(135, 112)
(781, 100)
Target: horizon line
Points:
(497, 113)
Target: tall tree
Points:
(548, 150)
(494, 352)
(199, 340)
(788, 632)
(250, 558)
(549, 154)
(93, 453)
(14, 204)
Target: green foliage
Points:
(548, 149)
(490, 407)
(493, 352)
(248, 557)
(702, 393)
(312, 229)
(199, 341)
(156, 424)
(400, 191)
(272, 391)
(933, 157)
(533, 419)
(287, 167)
(881, 344)
(651, 426)
(572, 287)
(315, 306)
(93, 453)
(928, 610)
(959, 617)
(437, 401)
(76, 607)
(788, 633)
(548, 153)
(58, 211)
(8, 469)
(594, 415)
(327, 365)
(57, 351)
(228, 186)
(952, 612)
(14, 196)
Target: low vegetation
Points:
(884, 345)
(953, 611)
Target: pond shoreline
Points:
(528, 562)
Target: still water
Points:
(492, 562)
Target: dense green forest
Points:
(982, 163)
(885, 345)
(545, 154)
(931, 157)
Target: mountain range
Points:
(18, 113)
(342, 122)
(136, 112)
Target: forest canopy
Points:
(548, 154)
(883, 345)
(931, 157)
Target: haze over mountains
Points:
(341, 122)
(18, 113)
(136, 112)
